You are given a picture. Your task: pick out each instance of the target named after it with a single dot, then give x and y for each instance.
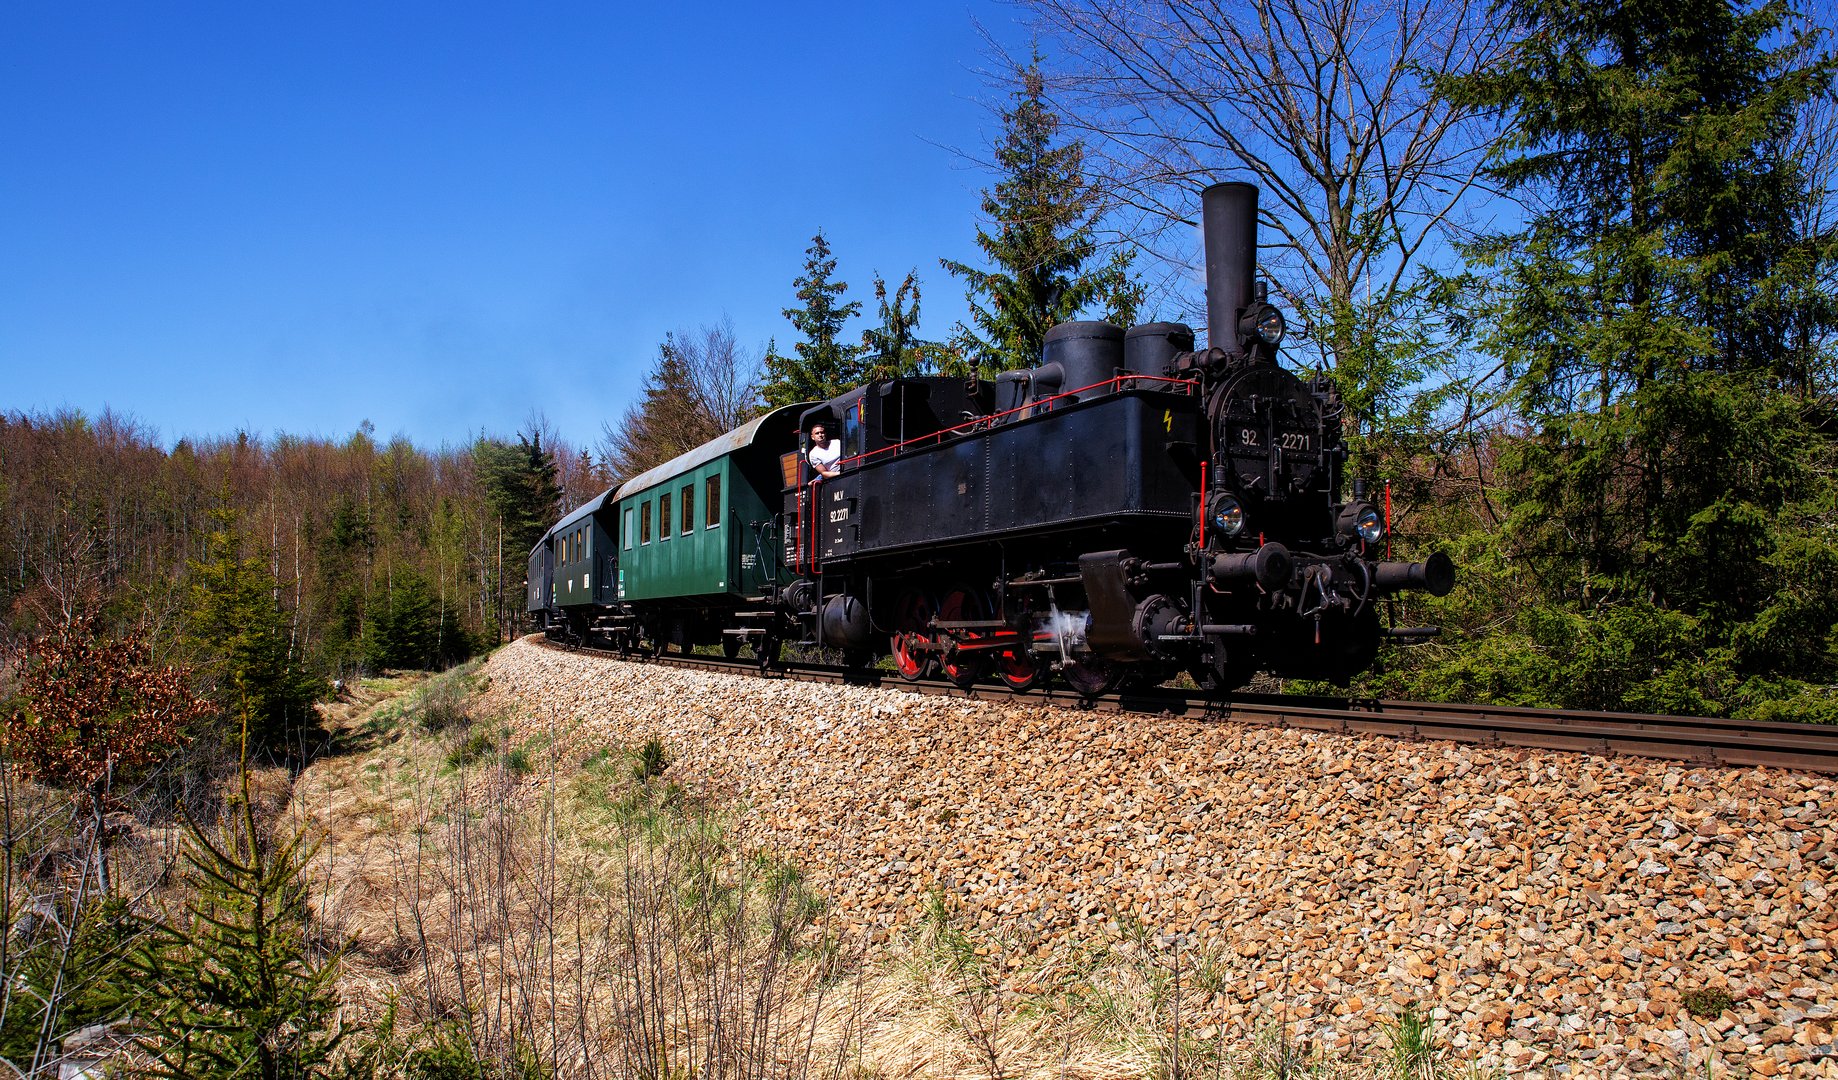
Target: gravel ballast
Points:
(1553, 909)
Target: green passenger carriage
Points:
(676, 555)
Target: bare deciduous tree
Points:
(703, 384)
(1813, 149)
(1329, 106)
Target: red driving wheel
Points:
(912, 616)
(960, 603)
(1017, 670)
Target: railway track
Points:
(1704, 740)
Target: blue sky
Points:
(440, 217)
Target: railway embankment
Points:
(1561, 914)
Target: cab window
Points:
(852, 431)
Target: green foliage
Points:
(823, 367)
(1044, 214)
(520, 488)
(409, 629)
(446, 701)
(342, 553)
(1415, 1052)
(1667, 542)
(80, 980)
(242, 642)
(1707, 1002)
(893, 348)
(649, 760)
(231, 987)
(476, 745)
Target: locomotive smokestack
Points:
(1228, 215)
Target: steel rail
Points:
(1696, 739)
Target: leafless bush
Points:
(598, 925)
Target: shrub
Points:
(445, 703)
(649, 760)
(1707, 1002)
(475, 746)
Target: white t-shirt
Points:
(825, 457)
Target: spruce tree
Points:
(824, 366)
(241, 641)
(404, 628)
(1044, 214)
(520, 488)
(1652, 313)
(231, 986)
(892, 347)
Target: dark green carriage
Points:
(697, 535)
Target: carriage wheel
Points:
(912, 613)
(730, 645)
(960, 603)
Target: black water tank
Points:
(1150, 349)
(1089, 352)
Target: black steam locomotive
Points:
(1131, 507)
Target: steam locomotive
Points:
(1131, 508)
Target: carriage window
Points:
(644, 524)
(628, 528)
(711, 499)
(579, 551)
(689, 509)
(663, 516)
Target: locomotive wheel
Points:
(1017, 670)
(1092, 678)
(960, 603)
(912, 613)
(909, 658)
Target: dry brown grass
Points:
(574, 917)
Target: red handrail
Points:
(1116, 383)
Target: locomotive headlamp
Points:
(1361, 521)
(1262, 322)
(1369, 526)
(1228, 515)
